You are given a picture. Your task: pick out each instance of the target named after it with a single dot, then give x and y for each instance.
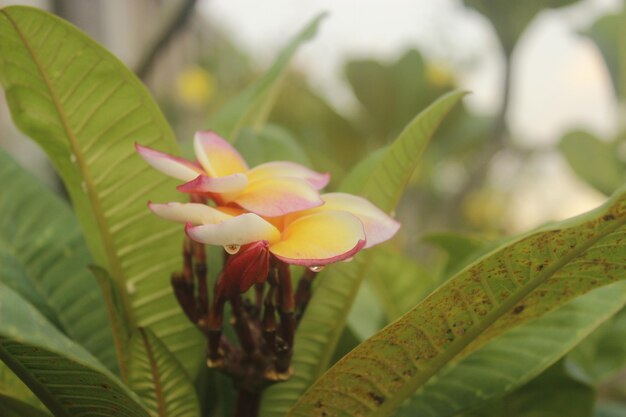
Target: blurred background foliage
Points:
(453, 191)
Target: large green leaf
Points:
(86, 110)
(514, 358)
(596, 162)
(326, 314)
(65, 377)
(514, 284)
(44, 258)
(158, 378)
(552, 394)
(251, 107)
(602, 354)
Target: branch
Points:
(166, 34)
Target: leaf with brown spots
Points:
(479, 304)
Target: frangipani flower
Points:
(271, 189)
(315, 237)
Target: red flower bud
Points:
(248, 266)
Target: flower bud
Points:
(248, 266)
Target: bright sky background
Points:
(559, 82)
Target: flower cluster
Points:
(274, 209)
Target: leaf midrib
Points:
(107, 240)
(471, 335)
(156, 377)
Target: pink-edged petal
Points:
(203, 184)
(217, 156)
(320, 238)
(378, 226)
(291, 170)
(237, 230)
(170, 165)
(278, 196)
(193, 213)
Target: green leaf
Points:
(552, 394)
(158, 378)
(43, 257)
(272, 143)
(86, 110)
(251, 107)
(514, 284)
(11, 407)
(117, 321)
(326, 314)
(603, 353)
(510, 18)
(391, 94)
(595, 161)
(64, 376)
(15, 396)
(399, 281)
(460, 248)
(391, 176)
(358, 176)
(500, 366)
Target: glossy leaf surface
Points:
(87, 110)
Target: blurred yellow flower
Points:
(439, 75)
(195, 87)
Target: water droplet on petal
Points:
(232, 249)
(316, 268)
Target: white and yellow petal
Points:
(193, 213)
(320, 238)
(238, 230)
(273, 197)
(378, 226)
(217, 156)
(203, 184)
(290, 170)
(169, 165)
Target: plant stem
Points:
(247, 403)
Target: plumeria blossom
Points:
(272, 189)
(329, 233)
